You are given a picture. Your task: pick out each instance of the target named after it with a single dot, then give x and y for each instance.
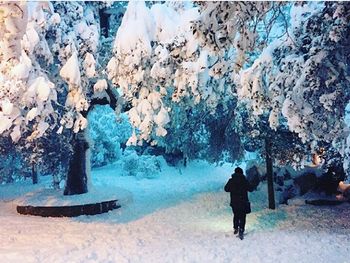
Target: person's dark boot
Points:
(241, 234)
(235, 231)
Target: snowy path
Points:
(178, 218)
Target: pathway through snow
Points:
(177, 218)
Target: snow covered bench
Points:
(68, 211)
(52, 202)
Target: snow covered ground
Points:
(177, 217)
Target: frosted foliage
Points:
(306, 92)
(90, 65)
(155, 49)
(222, 24)
(144, 166)
(138, 18)
(129, 66)
(37, 41)
(100, 85)
(107, 134)
(13, 23)
(26, 93)
(42, 88)
(70, 71)
(301, 13)
(76, 42)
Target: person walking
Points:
(238, 187)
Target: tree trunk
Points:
(79, 166)
(77, 178)
(269, 172)
(104, 22)
(34, 175)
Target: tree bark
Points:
(77, 178)
(77, 181)
(269, 172)
(34, 175)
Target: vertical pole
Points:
(269, 171)
(34, 174)
(104, 22)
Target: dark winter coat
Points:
(238, 187)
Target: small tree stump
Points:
(68, 211)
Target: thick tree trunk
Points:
(269, 171)
(77, 178)
(79, 166)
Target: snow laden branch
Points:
(158, 60)
(75, 45)
(76, 42)
(39, 47)
(299, 81)
(235, 25)
(26, 93)
(14, 18)
(146, 51)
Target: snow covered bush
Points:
(108, 134)
(141, 166)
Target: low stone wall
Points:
(68, 211)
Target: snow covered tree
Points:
(157, 57)
(76, 41)
(27, 96)
(240, 25)
(217, 39)
(299, 81)
(36, 37)
(202, 61)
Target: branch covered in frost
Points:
(300, 81)
(26, 93)
(157, 57)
